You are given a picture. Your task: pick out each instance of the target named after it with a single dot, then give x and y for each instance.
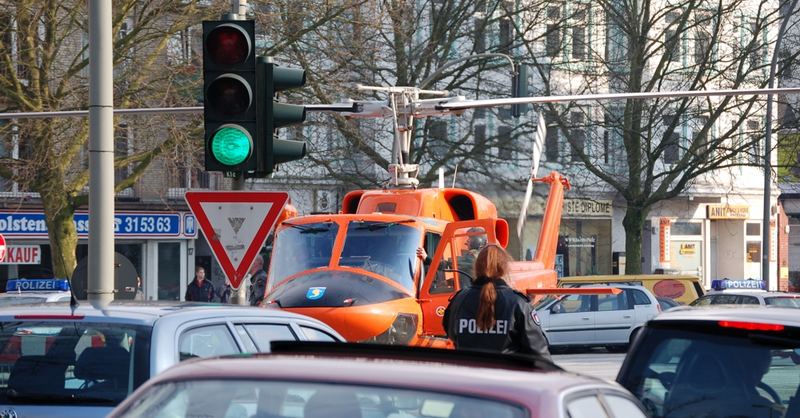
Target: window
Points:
(480, 134)
(623, 407)
(702, 37)
(754, 137)
(699, 139)
(314, 334)
(612, 302)
(753, 229)
(551, 139)
(748, 300)
(755, 55)
(506, 35)
(672, 45)
(249, 344)
(573, 304)
(263, 334)
(578, 143)
(506, 145)
(579, 34)
(639, 297)
(686, 228)
(671, 141)
(480, 35)
(753, 251)
(553, 34)
(206, 341)
(586, 407)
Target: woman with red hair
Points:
(490, 315)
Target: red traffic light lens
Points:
(229, 94)
(228, 45)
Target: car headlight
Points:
(401, 332)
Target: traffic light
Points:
(519, 85)
(229, 89)
(277, 115)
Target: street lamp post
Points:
(766, 231)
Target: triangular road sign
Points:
(236, 224)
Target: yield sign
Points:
(236, 224)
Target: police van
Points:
(23, 291)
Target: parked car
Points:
(376, 381)
(610, 320)
(25, 291)
(746, 292)
(81, 362)
(683, 288)
(719, 361)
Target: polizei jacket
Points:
(516, 328)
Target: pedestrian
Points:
(491, 316)
(225, 296)
(258, 281)
(139, 295)
(200, 289)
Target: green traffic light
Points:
(231, 145)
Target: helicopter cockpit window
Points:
(302, 247)
(471, 242)
(385, 248)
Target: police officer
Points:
(489, 315)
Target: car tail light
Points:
(751, 326)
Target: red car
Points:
(371, 381)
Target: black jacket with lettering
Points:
(516, 329)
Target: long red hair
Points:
(492, 264)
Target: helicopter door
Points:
(445, 274)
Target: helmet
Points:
(477, 239)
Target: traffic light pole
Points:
(239, 295)
(100, 285)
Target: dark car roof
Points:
(525, 387)
(742, 313)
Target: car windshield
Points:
(709, 372)
(248, 398)
(71, 362)
(385, 248)
(784, 301)
(302, 247)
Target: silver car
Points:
(611, 320)
(56, 361)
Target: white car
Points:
(746, 292)
(63, 361)
(610, 320)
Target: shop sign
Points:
(580, 242)
(126, 224)
(587, 207)
(687, 248)
(23, 254)
(664, 239)
(728, 212)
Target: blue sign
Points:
(30, 285)
(125, 224)
(189, 225)
(738, 284)
(315, 293)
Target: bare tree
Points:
(638, 148)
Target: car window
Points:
(585, 407)
(617, 302)
(573, 304)
(681, 372)
(263, 334)
(247, 398)
(56, 363)
(639, 297)
(249, 344)
(206, 341)
(724, 299)
(703, 301)
(21, 300)
(623, 407)
(783, 301)
(314, 334)
(748, 300)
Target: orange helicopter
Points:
(358, 270)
